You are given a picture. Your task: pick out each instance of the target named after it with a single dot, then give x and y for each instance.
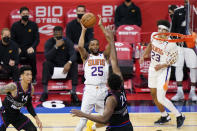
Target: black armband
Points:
(30, 107)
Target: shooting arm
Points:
(81, 48)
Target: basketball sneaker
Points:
(163, 120)
(192, 96)
(180, 120)
(89, 125)
(179, 96)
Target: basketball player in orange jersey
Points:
(96, 68)
(163, 54)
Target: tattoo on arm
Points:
(7, 88)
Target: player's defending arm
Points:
(107, 49)
(31, 110)
(146, 53)
(82, 50)
(110, 105)
(113, 54)
(8, 88)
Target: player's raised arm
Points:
(107, 49)
(113, 54)
(82, 50)
(7, 88)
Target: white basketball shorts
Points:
(93, 97)
(157, 79)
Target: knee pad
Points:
(179, 73)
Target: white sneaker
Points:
(193, 96)
(178, 97)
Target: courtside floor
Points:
(142, 115)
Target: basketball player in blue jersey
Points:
(115, 114)
(19, 94)
(96, 66)
(163, 55)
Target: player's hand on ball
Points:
(38, 122)
(83, 27)
(77, 113)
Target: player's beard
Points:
(94, 53)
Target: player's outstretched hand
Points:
(78, 113)
(38, 122)
(109, 35)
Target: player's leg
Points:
(152, 84)
(179, 75)
(193, 76)
(191, 62)
(179, 78)
(159, 105)
(165, 117)
(87, 106)
(161, 96)
(99, 107)
(23, 122)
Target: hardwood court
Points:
(140, 121)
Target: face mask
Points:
(6, 39)
(79, 16)
(25, 17)
(127, 0)
(59, 37)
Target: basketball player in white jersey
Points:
(163, 54)
(96, 68)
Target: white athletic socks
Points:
(164, 114)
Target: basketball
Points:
(88, 20)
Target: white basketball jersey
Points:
(96, 69)
(160, 51)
